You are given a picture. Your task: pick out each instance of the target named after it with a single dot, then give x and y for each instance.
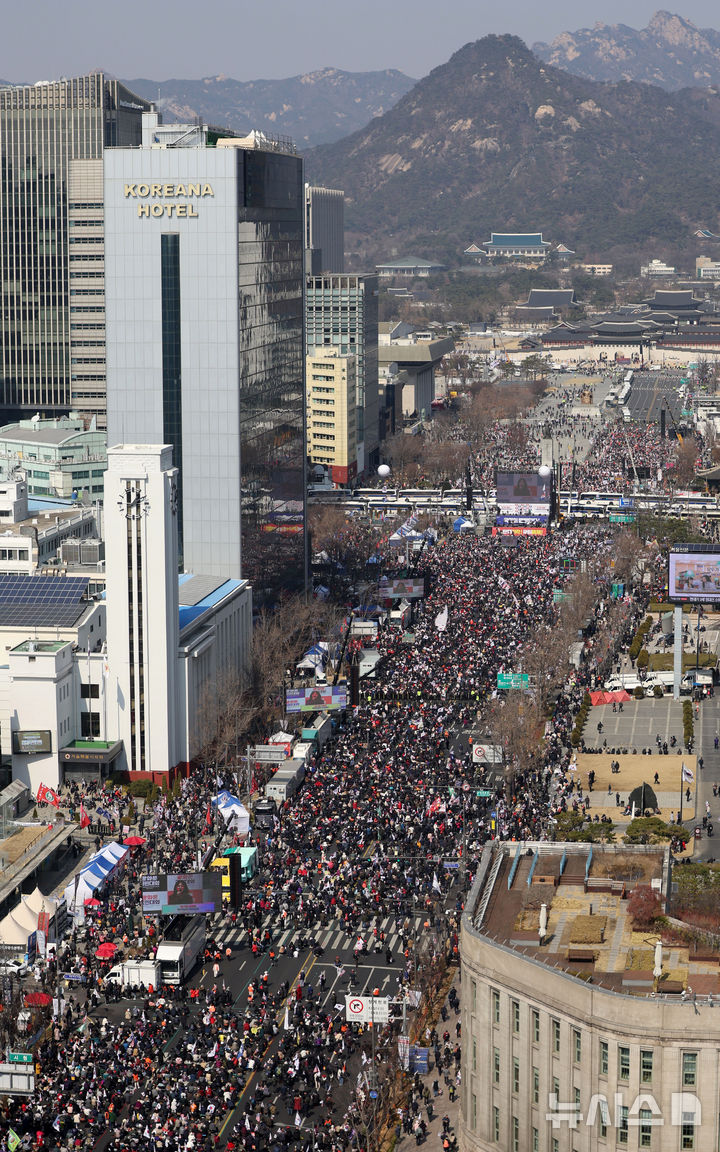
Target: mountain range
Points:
(671, 52)
(497, 140)
(312, 109)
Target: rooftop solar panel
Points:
(41, 601)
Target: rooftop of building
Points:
(197, 594)
(43, 647)
(411, 262)
(590, 934)
(517, 240)
(422, 352)
(51, 437)
(552, 297)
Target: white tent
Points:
(111, 853)
(108, 858)
(236, 817)
(25, 917)
(76, 893)
(13, 934)
(281, 738)
(39, 903)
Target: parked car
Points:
(13, 967)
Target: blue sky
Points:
(269, 39)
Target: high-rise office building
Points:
(324, 230)
(205, 349)
(342, 312)
(52, 138)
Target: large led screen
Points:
(694, 576)
(182, 892)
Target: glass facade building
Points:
(342, 312)
(44, 130)
(205, 345)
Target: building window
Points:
(687, 1136)
(474, 1055)
(89, 724)
(689, 1072)
(555, 1144)
(473, 985)
(496, 1065)
(536, 1085)
(556, 1087)
(622, 1132)
(604, 1119)
(646, 1066)
(604, 1058)
(623, 1063)
(535, 1140)
(496, 1007)
(496, 1124)
(515, 1134)
(516, 1076)
(516, 1016)
(90, 691)
(536, 1026)
(171, 356)
(576, 1099)
(645, 1127)
(577, 1046)
(556, 1035)
(473, 1117)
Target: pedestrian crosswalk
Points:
(330, 938)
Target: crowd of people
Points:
(383, 809)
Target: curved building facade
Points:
(570, 1042)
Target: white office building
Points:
(90, 684)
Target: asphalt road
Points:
(329, 980)
(652, 391)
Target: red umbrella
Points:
(93, 902)
(106, 950)
(134, 841)
(37, 999)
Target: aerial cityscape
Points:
(360, 579)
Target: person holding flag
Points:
(46, 795)
(84, 818)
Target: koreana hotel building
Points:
(205, 349)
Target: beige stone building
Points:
(589, 1035)
(331, 413)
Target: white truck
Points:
(132, 973)
(178, 953)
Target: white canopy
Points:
(76, 894)
(236, 816)
(25, 917)
(13, 933)
(39, 903)
(117, 851)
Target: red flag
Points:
(84, 818)
(208, 817)
(47, 796)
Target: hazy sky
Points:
(265, 39)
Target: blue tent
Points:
(462, 524)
